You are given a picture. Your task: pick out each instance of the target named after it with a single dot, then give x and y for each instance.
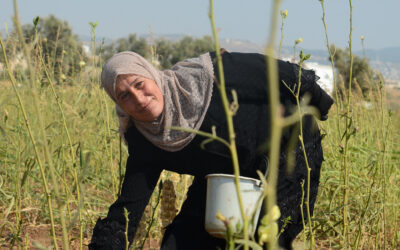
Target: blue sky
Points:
(237, 19)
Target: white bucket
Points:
(222, 197)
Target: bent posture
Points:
(149, 102)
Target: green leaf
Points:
(93, 25)
(36, 21)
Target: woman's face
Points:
(140, 97)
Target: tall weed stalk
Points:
(38, 159)
(347, 135)
(301, 139)
(275, 117)
(332, 61)
(72, 152)
(32, 76)
(229, 112)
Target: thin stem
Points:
(229, 119)
(346, 168)
(301, 207)
(107, 143)
(126, 215)
(72, 170)
(307, 202)
(283, 15)
(28, 126)
(275, 116)
(42, 129)
(384, 135)
(153, 214)
(331, 55)
(363, 47)
(202, 133)
(363, 212)
(120, 167)
(18, 218)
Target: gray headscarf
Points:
(186, 88)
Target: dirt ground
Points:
(39, 237)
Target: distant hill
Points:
(386, 60)
(391, 55)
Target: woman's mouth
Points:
(144, 107)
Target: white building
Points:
(324, 72)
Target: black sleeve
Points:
(139, 182)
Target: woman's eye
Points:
(123, 96)
(139, 84)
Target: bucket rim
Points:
(257, 181)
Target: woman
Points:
(149, 101)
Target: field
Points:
(374, 169)
(62, 162)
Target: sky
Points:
(236, 19)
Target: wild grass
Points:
(373, 220)
(69, 126)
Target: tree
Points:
(189, 47)
(363, 75)
(165, 52)
(59, 47)
(132, 43)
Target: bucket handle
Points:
(266, 160)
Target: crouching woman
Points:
(149, 102)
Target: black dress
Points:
(246, 74)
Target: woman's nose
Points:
(138, 96)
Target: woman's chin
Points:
(150, 117)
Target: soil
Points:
(39, 237)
